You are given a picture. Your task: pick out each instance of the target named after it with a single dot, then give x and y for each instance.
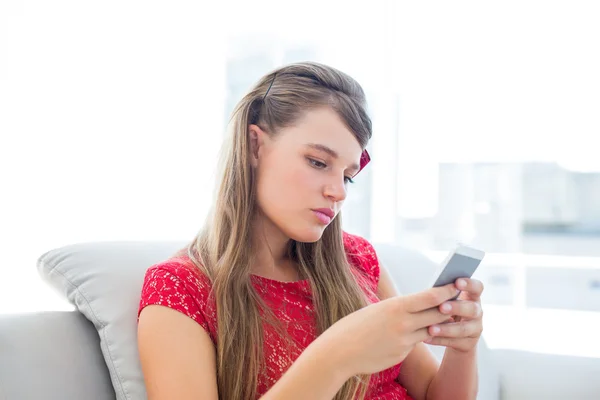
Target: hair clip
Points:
(364, 160)
(270, 86)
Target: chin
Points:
(307, 234)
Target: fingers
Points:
(457, 344)
(420, 335)
(472, 286)
(428, 317)
(462, 308)
(462, 329)
(429, 298)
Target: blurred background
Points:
(485, 121)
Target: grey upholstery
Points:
(51, 356)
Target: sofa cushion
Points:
(104, 282)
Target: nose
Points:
(336, 190)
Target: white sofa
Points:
(90, 353)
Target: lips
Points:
(325, 215)
(327, 211)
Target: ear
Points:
(256, 138)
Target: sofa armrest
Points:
(51, 355)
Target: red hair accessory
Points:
(364, 160)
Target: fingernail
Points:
(477, 310)
(461, 283)
(435, 330)
(446, 307)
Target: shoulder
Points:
(178, 273)
(362, 255)
(178, 284)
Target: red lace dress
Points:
(178, 284)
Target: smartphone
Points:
(460, 263)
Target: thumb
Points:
(430, 298)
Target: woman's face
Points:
(303, 173)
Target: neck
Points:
(270, 256)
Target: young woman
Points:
(272, 300)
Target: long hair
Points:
(222, 251)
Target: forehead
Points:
(323, 126)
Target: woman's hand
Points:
(463, 331)
(383, 334)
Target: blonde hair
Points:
(221, 250)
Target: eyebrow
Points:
(331, 152)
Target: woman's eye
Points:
(317, 164)
(321, 165)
